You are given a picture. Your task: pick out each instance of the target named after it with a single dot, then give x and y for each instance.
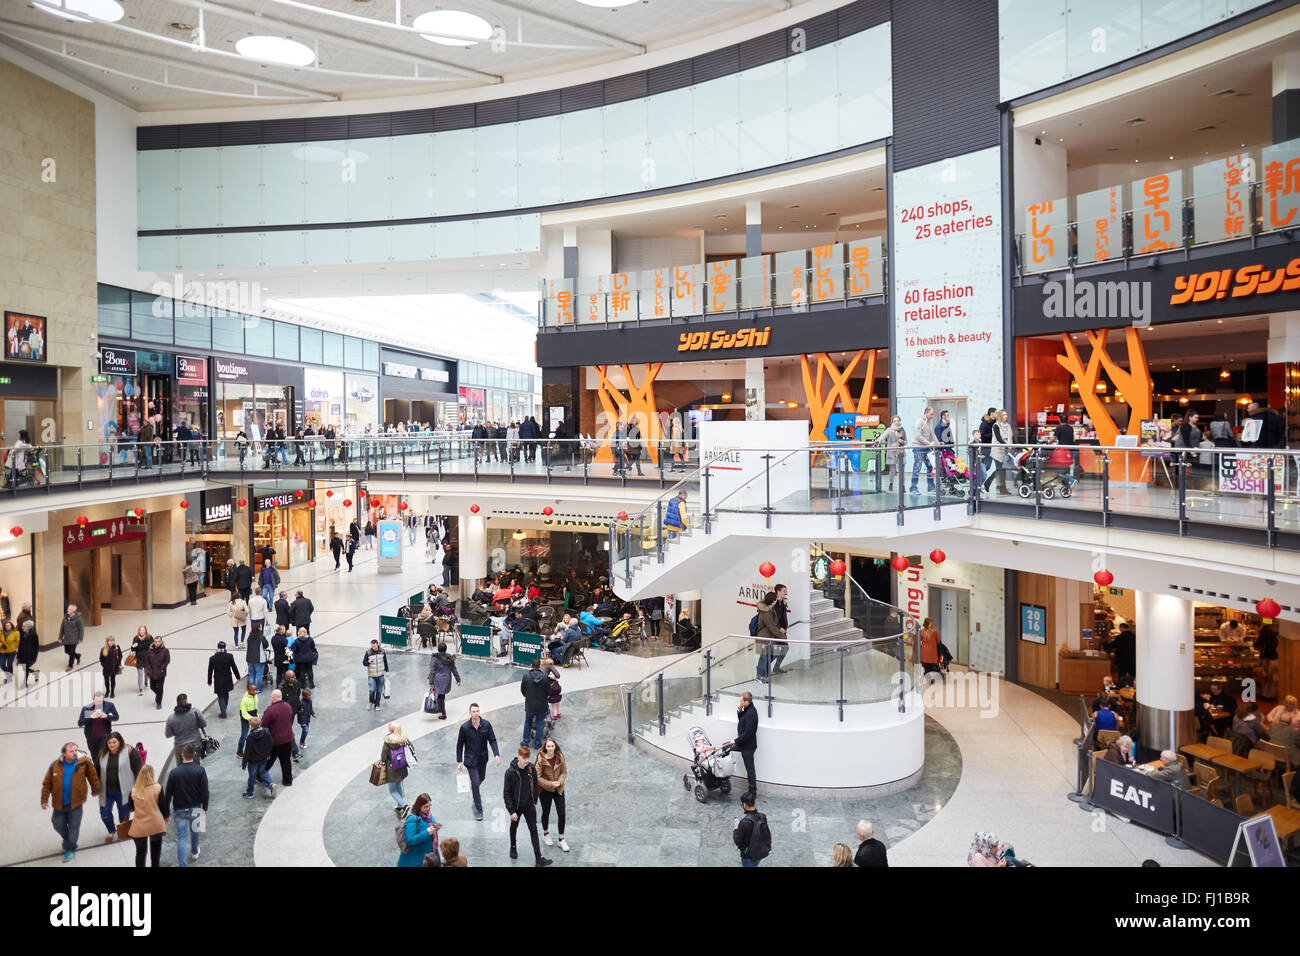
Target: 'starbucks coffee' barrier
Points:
(475, 641)
(524, 648)
(392, 631)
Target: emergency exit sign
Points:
(93, 378)
(4, 380)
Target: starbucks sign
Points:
(821, 567)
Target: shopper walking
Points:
(65, 785)
(895, 440)
(291, 693)
(871, 852)
(746, 741)
(472, 743)
(336, 547)
(147, 823)
(278, 719)
(551, 773)
(9, 637)
(140, 645)
(29, 649)
(248, 711)
(243, 580)
(110, 665)
(1001, 435)
(185, 727)
(535, 688)
(156, 661)
(256, 754)
(519, 795)
(751, 834)
(258, 611)
(72, 631)
(375, 661)
(306, 711)
(117, 765)
(420, 831)
(222, 674)
(396, 754)
(268, 580)
(255, 657)
(300, 612)
(304, 657)
(923, 436)
(930, 662)
(186, 798)
(442, 668)
(237, 612)
(96, 721)
(190, 575)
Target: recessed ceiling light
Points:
(452, 23)
(83, 11)
(273, 49)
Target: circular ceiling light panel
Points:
(607, 4)
(83, 11)
(273, 49)
(450, 24)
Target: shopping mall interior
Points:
(829, 451)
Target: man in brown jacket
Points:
(65, 782)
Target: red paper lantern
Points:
(241, 502)
(298, 493)
(767, 569)
(361, 493)
(473, 509)
(16, 531)
(82, 521)
(838, 567)
(184, 504)
(937, 556)
(548, 511)
(347, 502)
(622, 516)
(1268, 608)
(1103, 578)
(402, 506)
(329, 494)
(900, 563)
(139, 512)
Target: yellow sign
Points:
(711, 341)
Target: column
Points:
(753, 228)
(1283, 338)
(472, 551)
(1286, 96)
(571, 252)
(1165, 671)
(755, 390)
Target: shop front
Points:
(323, 397)
(28, 400)
(416, 388)
(331, 512)
(214, 528)
(552, 550)
(254, 396)
(361, 404)
(106, 564)
(473, 404)
(282, 526)
(166, 388)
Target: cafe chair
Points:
(1183, 760)
(1262, 780)
(1207, 777)
(1288, 778)
(1219, 743)
(1278, 753)
(1096, 756)
(1106, 737)
(1245, 806)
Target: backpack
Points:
(753, 626)
(144, 754)
(760, 839)
(400, 832)
(397, 757)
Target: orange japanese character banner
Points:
(1222, 197)
(558, 301)
(826, 274)
(655, 286)
(1101, 235)
(1045, 244)
(1280, 174)
(866, 274)
(620, 297)
(1157, 212)
(792, 278)
(685, 291)
(756, 282)
(720, 286)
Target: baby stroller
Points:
(953, 480)
(712, 768)
(1025, 461)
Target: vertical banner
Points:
(1221, 197)
(1281, 198)
(866, 272)
(621, 300)
(686, 290)
(947, 276)
(558, 302)
(826, 278)
(790, 268)
(1046, 243)
(721, 282)
(1100, 234)
(1157, 212)
(756, 282)
(655, 285)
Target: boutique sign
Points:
(115, 361)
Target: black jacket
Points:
(257, 747)
(304, 650)
(536, 690)
(1272, 433)
(747, 730)
(291, 693)
(744, 832)
(871, 853)
(187, 787)
(244, 577)
(222, 672)
(782, 612)
(472, 745)
(256, 649)
(520, 788)
(986, 438)
(28, 647)
(279, 649)
(300, 612)
(336, 546)
(281, 612)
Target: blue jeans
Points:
(395, 791)
(241, 630)
(223, 701)
(284, 454)
(537, 720)
(147, 448)
(255, 672)
(746, 861)
(67, 824)
(187, 831)
(302, 739)
(257, 774)
(376, 690)
(112, 799)
(919, 456)
(243, 734)
(268, 594)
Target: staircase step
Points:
(843, 629)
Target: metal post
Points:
(1105, 488)
(902, 669)
(440, 461)
(79, 472)
(708, 520)
(1270, 504)
(708, 683)
(1038, 484)
(475, 449)
(840, 702)
(972, 504)
(938, 490)
(403, 463)
(767, 491)
(613, 551)
(768, 651)
(586, 473)
(659, 529)
(659, 680)
(629, 717)
(627, 557)
(1182, 498)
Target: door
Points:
(79, 580)
(950, 611)
(956, 409)
(128, 576)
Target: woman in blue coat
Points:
(421, 832)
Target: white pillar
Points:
(472, 551)
(1283, 338)
(755, 390)
(1165, 670)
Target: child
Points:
(305, 713)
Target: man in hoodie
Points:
(256, 754)
(520, 797)
(65, 783)
(278, 719)
(536, 690)
(184, 726)
(186, 798)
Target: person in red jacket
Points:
(278, 719)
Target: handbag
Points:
(378, 774)
(430, 704)
(124, 829)
(387, 692)
(130, 660)
(208, 745)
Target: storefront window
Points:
(323, 402)
(473, 404)
(362, 405)
(232, 401)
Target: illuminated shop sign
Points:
(719, 340)
(424, 373)
(1243, 282)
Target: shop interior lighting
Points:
(83, 11)
(275, 49)
(520, 535)
(453, 27)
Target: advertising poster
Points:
(1033, 623)
(1153, 439)
(25, 338)
(947, 271)
(1244, 473)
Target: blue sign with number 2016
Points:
(1033, 623)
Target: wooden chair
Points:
(1278, 753)
(1096, 755)
(1183, 760)
(1107, 737)
(1219, 743)
(1245, 805)
(1288, 778)
(1262, 780)
(1207, 778)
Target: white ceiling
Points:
(148, 61)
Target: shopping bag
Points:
(378, 774)
(462, 781)
(430, 704)
(387, 692)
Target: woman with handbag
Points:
(147, 824)
(442, 668)
(110, 662)
(118, 766)
(419, 832)
(156, 660)
(191, 578)
(237, 611)
(395, 755)
(140, 645)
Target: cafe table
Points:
(1238, 765)
(1286, 822)
(1201, 751)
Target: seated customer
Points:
(1247, 729)
(595, 624)
(1171, 771)
(1121, 752)
(1108, 697)
(1285, 712)
(1286, 735)
(1106, 719)
(1217, 700)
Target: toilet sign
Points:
(96, 533)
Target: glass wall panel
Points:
(284, 197)
(199, 172)
(193, 325)
(280, 248)
(365, 174)
(411, 162)
(309, 342)
(539, 161)
(715, 113)
(370, 355)
(151, 317)
(351, 352)
(259, 336)
(625, 147)
(497, 155)
(227, 331)
(158, 173)
(114, 311)
(241, 185)
(812, 84)
(333, 349)
(763, 100)
(238, 250)
(668, 121)
(454, 178)
(866, 102)
(582, 161)
(286, 341)
(323, 170)
(1031, 45)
